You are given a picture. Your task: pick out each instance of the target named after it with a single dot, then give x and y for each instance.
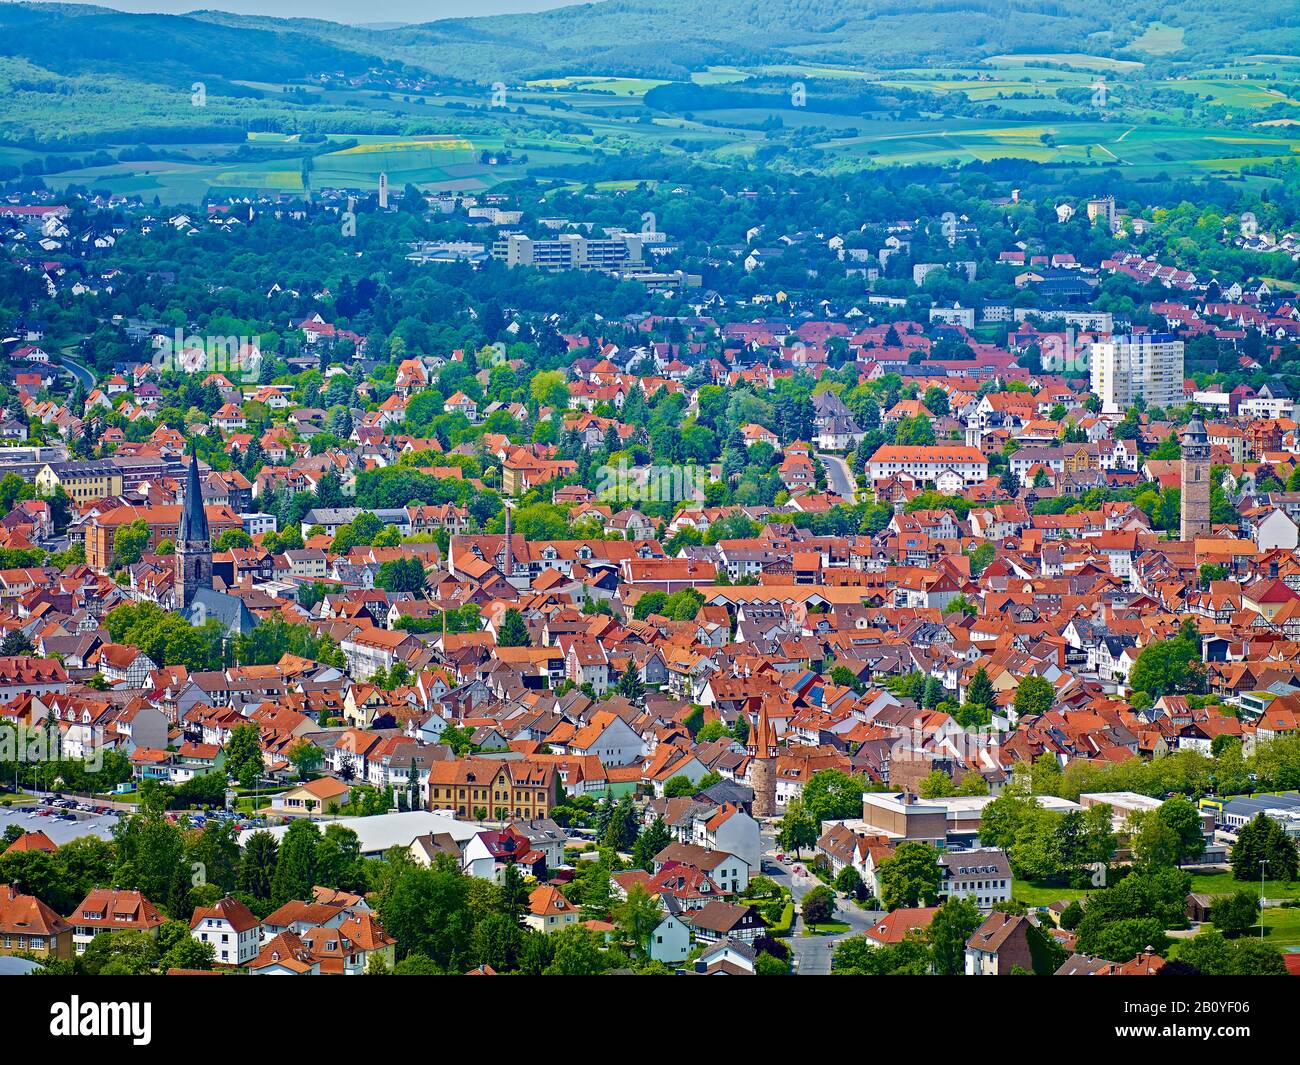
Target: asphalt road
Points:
(78, 371)
(812, 954)
(838, 476)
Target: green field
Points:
(428, 162)
(1035, 894)
(1234, 92)
(1282, 927)
(1148, 149)
(1160, 40)
(1070, 59)
(1224, 884)
(439, 141)
(1032, 893)
(617, 86)
(1281, 930)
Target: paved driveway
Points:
(838, 477)
(812, 954)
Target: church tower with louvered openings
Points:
(1195, 481)
(762, 765)
(193, 542)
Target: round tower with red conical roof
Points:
(762, 764)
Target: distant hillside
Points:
(668, 38)
(74, 40)
(658, 38)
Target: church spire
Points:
(194, 519)
(193, 540)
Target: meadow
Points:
(1040, 108)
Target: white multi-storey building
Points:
(1147, 365)
(928, 464)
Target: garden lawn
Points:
(1223, 884)
(1033, 893)
(827, 928)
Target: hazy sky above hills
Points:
(348, 11)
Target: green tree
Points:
(621, 831)
(1236, 913)
(637, 916)
(536, 953)
(1212, 571)
(833, 795)
(257, 866)
(766, 964)
(910, 876)
(1263, 843)
(1213, 955)
(514, 893)
(1168, 667)
(427, 911)
(1155, 844)
(498, 941)
(126, 953)
(593, 890)
(1034, 696)
(849, 881)
(857, 956)
(339, 864)
(577, 951)
(401, 575)
(306, 758)
(232, 538)
(935, 785)
(1125, 939)
(979, 692)
(629, 684)
(652, 838)
(513, 631)
(295, 868)
(797, 829)
(818, 906)
(243, 748)
(188, 953)
(1184, 820)
(150, 850)
(1124, 919)
(215, 851)
(130, 542)
(1003, 817)
(953, 924)
(679, 787)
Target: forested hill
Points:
(661, 38)
(76, 40)
(669, 37)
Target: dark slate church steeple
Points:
(193, 542)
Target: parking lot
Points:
(61, 825)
